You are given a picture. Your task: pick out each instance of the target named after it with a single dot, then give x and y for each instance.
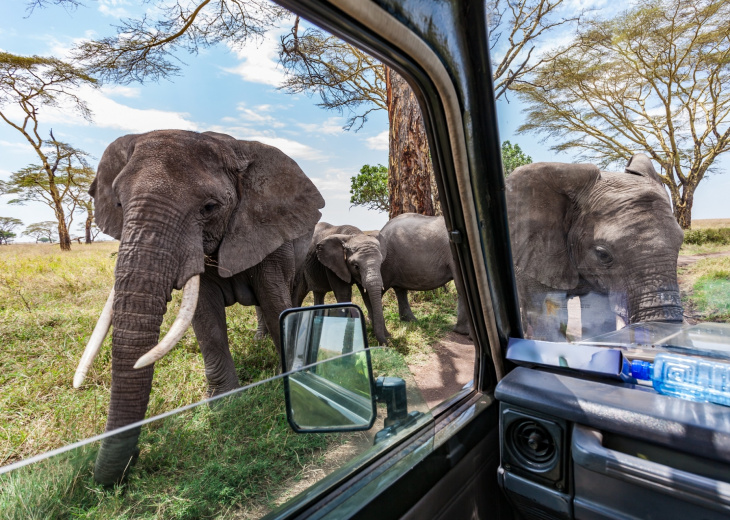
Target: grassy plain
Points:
(710, 223)
(49, 303)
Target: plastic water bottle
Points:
(688, 377)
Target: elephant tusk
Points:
(179, 326)
(97, 338)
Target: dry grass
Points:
(714, 223)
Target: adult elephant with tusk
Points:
(202, 211)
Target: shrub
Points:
(707, 236)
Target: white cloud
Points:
(258, 114)
(294, 149)
(290, 147)
(259, 60)
(113, 8)
(108, 113)
(378, 142)
(334, 184)
(121, 91)
(333, 126)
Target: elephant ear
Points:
(331, 253)
(541, 206)
(107, 210)
(276, 203)
(640, 164)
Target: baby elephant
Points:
(338, 257)
(418, 258)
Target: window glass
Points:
(616, 232)
(106, 211)
(210, 459)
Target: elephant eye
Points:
(603, 255)
(210, 207)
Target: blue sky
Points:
(233, 92)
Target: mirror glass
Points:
(330, 387)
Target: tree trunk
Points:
(410, 172)
(87, 227)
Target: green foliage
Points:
(370, 188)
(513, 157)
(719, 236)
(7, 225)
(46, 231)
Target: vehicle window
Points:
(168, 205)
(614, 225)
(208, 459)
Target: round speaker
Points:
(532, 443)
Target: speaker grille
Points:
(532, 443)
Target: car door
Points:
(573, 445)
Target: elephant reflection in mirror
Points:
(607, 237)
(200, 210)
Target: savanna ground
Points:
(218, 465)
(221, 465)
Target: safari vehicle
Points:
(519, 441)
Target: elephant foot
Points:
(116, 456)
(461, 329)
(260, 335)
(408, 317)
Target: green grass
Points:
(709, 296)
(49, 304)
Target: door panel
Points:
(633, 453)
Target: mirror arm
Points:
(392, 392)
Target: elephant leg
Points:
(261, 330)
(596, 315)
(404, 309)
(209, 324)
(462, 316)
(319, 297)
(300, 292)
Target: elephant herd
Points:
(232, 221)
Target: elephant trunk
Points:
(144, 278)
(373, 284)
(658, 301)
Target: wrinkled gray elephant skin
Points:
(608, 237)
(184, 204)
(338, 257)
(419, 259)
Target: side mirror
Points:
(328, 378)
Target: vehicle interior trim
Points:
(697, 428)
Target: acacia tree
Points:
(7, 229)
(348, 79)
(61, 183)
(345, 77)
(42, 231)
(32, 83)
(655, 79)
